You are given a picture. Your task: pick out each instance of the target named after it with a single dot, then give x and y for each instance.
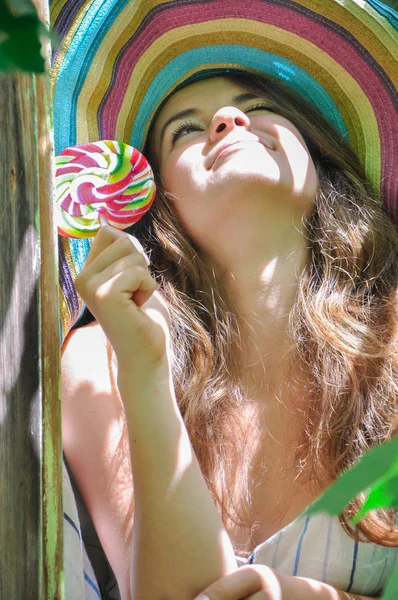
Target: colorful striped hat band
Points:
(119, 59)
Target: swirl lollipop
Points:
(100, 180)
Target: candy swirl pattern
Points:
(105, 178)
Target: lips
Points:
(220, 149)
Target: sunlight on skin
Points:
(252, 188)
(184, 458)
(300, 166)
(273, 297)
(241, 178)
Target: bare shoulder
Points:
(95, 446)
(86, 357)
(84, 337)
(89, 389)
(91, 405)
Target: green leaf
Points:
(383, 494)
(20, 33)
(371, 468)
(390, 591)
(22, 47)
(20, 7)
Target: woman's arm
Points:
(179, 542)
(178, 536)
(252, 582)
(92, 420)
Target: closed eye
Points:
(183, 129)
(258, 106)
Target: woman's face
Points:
(224, 152)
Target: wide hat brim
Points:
(119, 59)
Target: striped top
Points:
(80, 579)
(316, 547)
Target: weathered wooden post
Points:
(30, 417)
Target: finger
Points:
(139, 247)
(244, 582)
(111, 255)
(103, 220)
(125, 284)
(113, 299)
(235, 586)
(106, 236)
(128, 264)
(158, 303)
(124, 278)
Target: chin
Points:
(246, 181)
(245, 189)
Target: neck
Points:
(261, 281)
(263, 289)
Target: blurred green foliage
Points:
(375, 475)
(20, 33)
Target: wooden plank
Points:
(30, 415)
(20, 419)
(52, 584)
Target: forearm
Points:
(251, 581)
(179, 542)
(302, 588)
(330, 593)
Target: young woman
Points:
(255, 353)
(250, 357)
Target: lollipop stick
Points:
(103, 220)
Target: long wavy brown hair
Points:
(343, 328)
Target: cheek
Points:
(184, 177)
(300, 164)
(304, 174)
(182, 174)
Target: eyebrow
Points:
(193, 112)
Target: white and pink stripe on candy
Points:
(106, 178)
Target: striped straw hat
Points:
(119, 59)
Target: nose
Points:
(225, 120)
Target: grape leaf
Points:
(384, 494)
(370, 469)
(377, 474)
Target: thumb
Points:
(142, 296)
(156, 307)
(140, 248)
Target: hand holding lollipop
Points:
(109, 183)
(101, 179)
